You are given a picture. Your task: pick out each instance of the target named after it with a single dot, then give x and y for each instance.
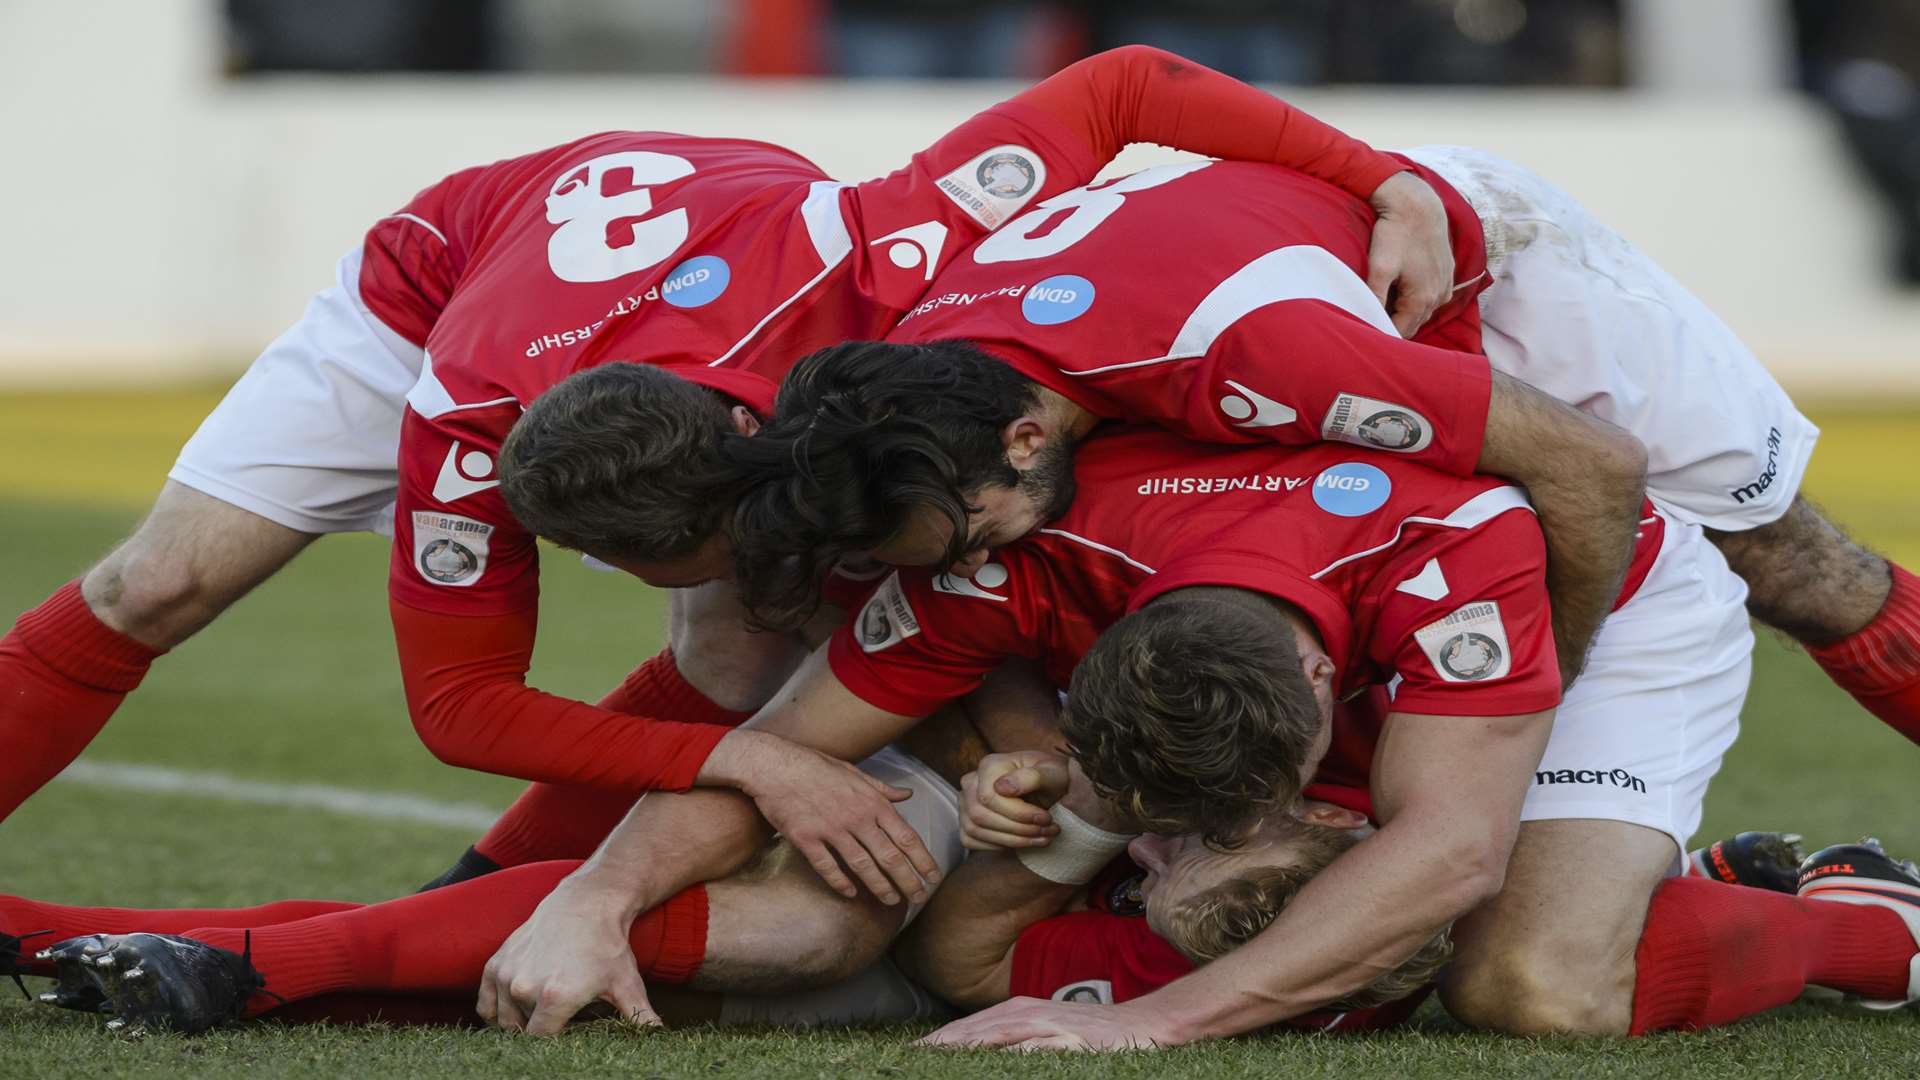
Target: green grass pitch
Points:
(298, 686)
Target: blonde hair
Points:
(1220, 919)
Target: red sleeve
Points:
(466, 687)
(1142, 94)
(1484, 647)
(913, 646)
(1298, 372)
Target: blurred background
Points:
(180, 175)
(184, 172)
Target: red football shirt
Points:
(1225, 301)
(1107, 954)
(1430, 582)
(732, 255)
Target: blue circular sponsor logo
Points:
(1351, 488)
(697, 282)
(1058, 299)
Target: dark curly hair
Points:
(1194, 715)
(864, 434)
(621, 460)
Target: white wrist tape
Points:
(1077, 853)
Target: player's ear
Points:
(1318, 668)
(1314, 812)
(744, 422)
(1024, 438)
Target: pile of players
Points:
(1293, 581)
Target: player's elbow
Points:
(1137, 58)
(1479, 873)
(443, 739)
(1619, 459)
(967, 987)
(437, 721)
(927, 955)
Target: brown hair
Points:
(864, 434)
(620, 460)
(1215, 922)
(1193, 714)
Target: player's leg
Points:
(1618, 791)
(1578, 312)
(773, 928)
(1857, 613)
(1553, 952)
(303, 444)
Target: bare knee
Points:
(1805, 577)
(189, 561)
(1523, 990)
(774, 928)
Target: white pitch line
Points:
(350, 802)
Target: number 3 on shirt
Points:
(1089, 205)
(582, 249)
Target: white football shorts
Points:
(881, 993)
(310, 435)
(1644, 728)
(1576, 311)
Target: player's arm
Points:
(1587, 480)
(1321, 373)
(572, 950)
(463, 592)
(1471, 715)
(1442, 851)
(1141, 94)
(962, 947)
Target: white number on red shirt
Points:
(584, 248)
(1089, 207)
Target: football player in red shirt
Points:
(724, 255)
(1389, 575)
(1225, 301)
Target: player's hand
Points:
(1004, 800)
(1410, 263)
(1026, 1023)
(835, 815)
(571, 953)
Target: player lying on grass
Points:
(1014, 920)
(1225, 302)
(1411, 578)
(729, 256)
(774, 946)
(772, 939)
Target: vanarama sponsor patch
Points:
(1383, 425)
(449, 550)
(994, 186)
(1469, 645)
(888, 619)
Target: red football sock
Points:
(63, 672)
(1880, 663)
(19, 915)
(553, 821)
(408, 1010)
(438, 943)
(1714, 953)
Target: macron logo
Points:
(461, 476)
(916, 245)
(1255, 410)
